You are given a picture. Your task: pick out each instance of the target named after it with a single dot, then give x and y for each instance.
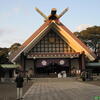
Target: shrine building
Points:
(52, 48)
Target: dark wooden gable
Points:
(52, 42)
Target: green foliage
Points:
(15, 46)
(90, 36)
(4, 53)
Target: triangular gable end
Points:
(74, 42)
(51, 42)
(14, 55)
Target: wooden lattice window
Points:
(52, 42)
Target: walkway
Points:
(61, 89)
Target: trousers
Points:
(19, 93)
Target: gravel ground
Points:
(8, 90)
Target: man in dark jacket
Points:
(19, 84)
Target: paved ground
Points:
(8, 90)
(53, 89)
(61, 89)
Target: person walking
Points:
(19, 84)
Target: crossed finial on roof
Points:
(53, 14)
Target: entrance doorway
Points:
(53, 68)
(50, 67)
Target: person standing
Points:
(19, 84)
(27, 76)
(83, 75)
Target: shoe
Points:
(21, 98)
(17, 99)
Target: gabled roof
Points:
(69, 37)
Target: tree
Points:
(4, 53)
(90, 36)
(15, 46)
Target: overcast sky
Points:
(18, 18)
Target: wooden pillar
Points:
(24, 67)
(34, 63)
(82, 61)
(23, 58)
(69, 66)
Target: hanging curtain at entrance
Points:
(46, 62)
